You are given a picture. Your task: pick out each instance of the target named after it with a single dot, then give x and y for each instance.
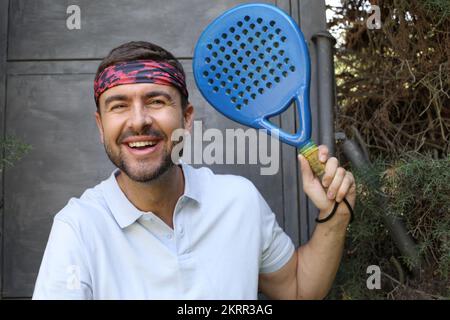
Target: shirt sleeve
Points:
(63, 273)
(277, 246)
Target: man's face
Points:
(136, 122)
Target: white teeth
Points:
(141, 144)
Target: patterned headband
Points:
(139, 71)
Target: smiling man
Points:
(162, 230)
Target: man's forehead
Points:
(138, 90)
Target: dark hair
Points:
(140, 50)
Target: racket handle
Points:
(311, 153)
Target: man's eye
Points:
(118, 106)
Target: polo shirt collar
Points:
(125, 212)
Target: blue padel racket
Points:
(250, 64)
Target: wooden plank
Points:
(39, 30)
(312, 18)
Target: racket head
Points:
(251, 62)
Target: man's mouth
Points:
(143, 147)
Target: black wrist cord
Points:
(336, 205)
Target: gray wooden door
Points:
(46, 99)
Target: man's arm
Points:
(310, 272)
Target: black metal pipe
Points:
(325, 76)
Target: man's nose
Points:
(140, 117)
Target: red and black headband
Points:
(139, 71)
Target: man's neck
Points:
(159, 197)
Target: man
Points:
(159, 230)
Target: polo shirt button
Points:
(169, 236)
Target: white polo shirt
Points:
(102, 247)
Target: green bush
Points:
(417, 189)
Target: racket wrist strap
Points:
(336, 205)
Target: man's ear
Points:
(98, 120)
(188, 117)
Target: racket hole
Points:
(232, 29)
(245, 101)
(218, 75)
(271, 36)
(261, 55)
(279, 66)
(252, 26)
(243, 80)
(264, 29)
(230, 78)
(207, 60)
(215, 89)
(216, 41)
(222, 84)
(283, 39)
(276, 44)
(245, 67)
(227, 57)
(269, 85)
(209, 46)
(272, 71)
(211, 81)
(277, 79)
(281, 52)
(245, 31)
(205, 73)
(250, 40)
(256, 82)
(239, 23)
(286, 60)
(235, 51)
(269, 50)
(241, 94)
(272, 23)
(233, 99)
(229, 43)
(214, 54)
(228, 91)
(292, 68)
(263, 42)
(248, 53)
(213, 68)
(248, 88)
(242, 45)
(237, 37)
(232, 65)
(264, 77)
(220, 62)
(224, 35)
(238, 107)
(258, 34)
(261, 90)
(259, 20)
(222, 49)
(266, 64)
(235, 86)
(274, 58)
(285, 74)
(246, 18)
(255, 47)
(253, 96)
(250, 75)
(278, 31)
(240, 59)
(258, 69)
(238, 72)
(253, 61)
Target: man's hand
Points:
(336, 184)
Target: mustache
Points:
(150, 132)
